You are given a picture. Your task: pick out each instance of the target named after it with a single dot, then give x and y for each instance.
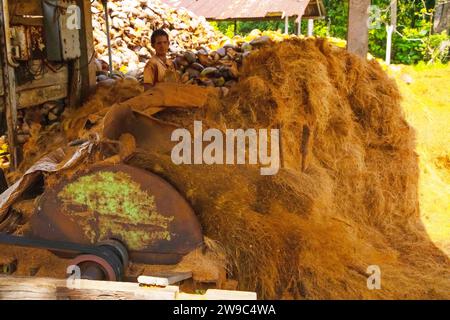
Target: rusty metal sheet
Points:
(249, 9)
(121, 202)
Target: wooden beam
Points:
(87, 59)
(13, 288)
(9, 80)
(33, 288)
(306, 16)
(358, 30)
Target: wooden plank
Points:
(56, 289)
(34, 97)
(19, 20)
(89, 289)
(358, 31)
(49, 78)
(163, 279)
(26, 288)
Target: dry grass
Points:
(427, 107)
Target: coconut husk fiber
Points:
(346, 197)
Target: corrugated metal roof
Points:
(248, 9)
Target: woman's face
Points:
(161, 45)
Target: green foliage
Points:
(227, 28)
(413, 41)
(335, 25)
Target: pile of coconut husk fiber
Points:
(345, 202)
(346, 198)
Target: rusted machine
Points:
(107, 215)
(104, 215)
(100, 215)
(124, 203)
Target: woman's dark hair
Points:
(158, 33)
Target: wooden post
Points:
(87, 59)
(441, 16)
(310, 27)
(9, 93)
(358, 30)
(299, 26)
(286, 25)
(394, 14)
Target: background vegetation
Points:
(413, 40)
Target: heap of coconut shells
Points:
(216, 68)
(201, 55)
(132, 23)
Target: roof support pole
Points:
(9, 82)
(358, 30)
(299, 26)
(390, 30)
(87, 61)
(286, 24)
(310, 27)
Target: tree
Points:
(442, 16)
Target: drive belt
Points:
(105, 251)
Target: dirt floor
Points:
(427, 108)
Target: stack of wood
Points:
(132, 23)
